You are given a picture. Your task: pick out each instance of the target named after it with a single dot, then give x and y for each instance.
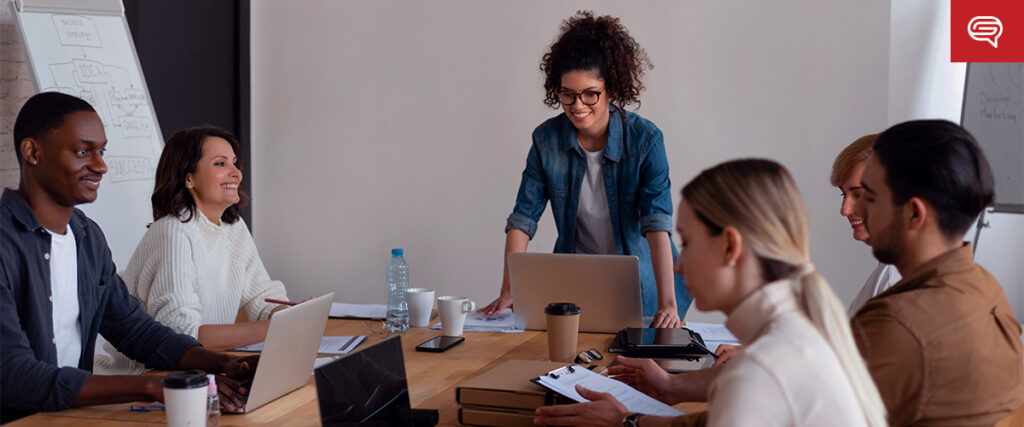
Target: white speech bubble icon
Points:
(985, 28)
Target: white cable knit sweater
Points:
(188, 274)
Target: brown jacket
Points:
(943, 345)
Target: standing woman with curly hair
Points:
(603, 169)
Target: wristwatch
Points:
(631, 420)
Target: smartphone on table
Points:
(439, 344)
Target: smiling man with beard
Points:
(58, 284)
(942, 344)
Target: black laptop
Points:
(365, 388)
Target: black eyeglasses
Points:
(588, 97)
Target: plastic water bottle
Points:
(398, 283)
(212, 403)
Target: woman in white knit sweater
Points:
(197, 264)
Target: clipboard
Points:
(564, 380)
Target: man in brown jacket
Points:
(942, 344)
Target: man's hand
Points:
(602, 410)
(241, 367)
(229, 393)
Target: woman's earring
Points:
(732, 263)
(188, 185)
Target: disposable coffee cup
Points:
(421, 301)
(453, 314)
(563, 320)
(185, 398)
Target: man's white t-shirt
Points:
(64, 290)
(593, 220)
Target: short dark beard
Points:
(889, 243)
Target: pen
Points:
(277, 301)
(701, 346)
(147, 408)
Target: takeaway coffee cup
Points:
(453, 314)
(420, 300)
(185, 398)
(563, 329)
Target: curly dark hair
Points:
(180, 157)
(599, 44)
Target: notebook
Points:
(606, 287)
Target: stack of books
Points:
(504, 395)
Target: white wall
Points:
(406, 124)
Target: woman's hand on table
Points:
(503, 301)
(602, 410)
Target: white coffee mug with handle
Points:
(453, 311)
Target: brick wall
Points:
(15, 88)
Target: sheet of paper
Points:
(479, 322)
(359, 311)
(328, 345)
(631, 398)
(713, 334)
(321, 361)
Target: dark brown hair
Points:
(181, 157)
(600, 44)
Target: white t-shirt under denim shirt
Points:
(593, 219)
(67, 325)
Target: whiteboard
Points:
(994, 113)
(91, 55)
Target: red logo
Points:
(987, 31)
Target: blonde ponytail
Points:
(826, 312)
(760, 199)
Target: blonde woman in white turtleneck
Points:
(745, 251)
(197, 263)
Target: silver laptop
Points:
(289, 351)
(606, 287)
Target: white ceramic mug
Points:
(421, 301)
(453, 314)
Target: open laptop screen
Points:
(366, 388)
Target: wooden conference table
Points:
(432, 379)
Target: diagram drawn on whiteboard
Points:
(118, 96)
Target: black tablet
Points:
(668, 339)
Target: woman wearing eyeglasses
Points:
(602, 168)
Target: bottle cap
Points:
(396, 251)
(212, 387)
(562, 309)
(185, 379)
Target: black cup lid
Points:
(186, 379)
(562, 308)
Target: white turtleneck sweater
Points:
(787, 374)
(188, 274)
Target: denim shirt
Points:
(31, 380)
(635, 179)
